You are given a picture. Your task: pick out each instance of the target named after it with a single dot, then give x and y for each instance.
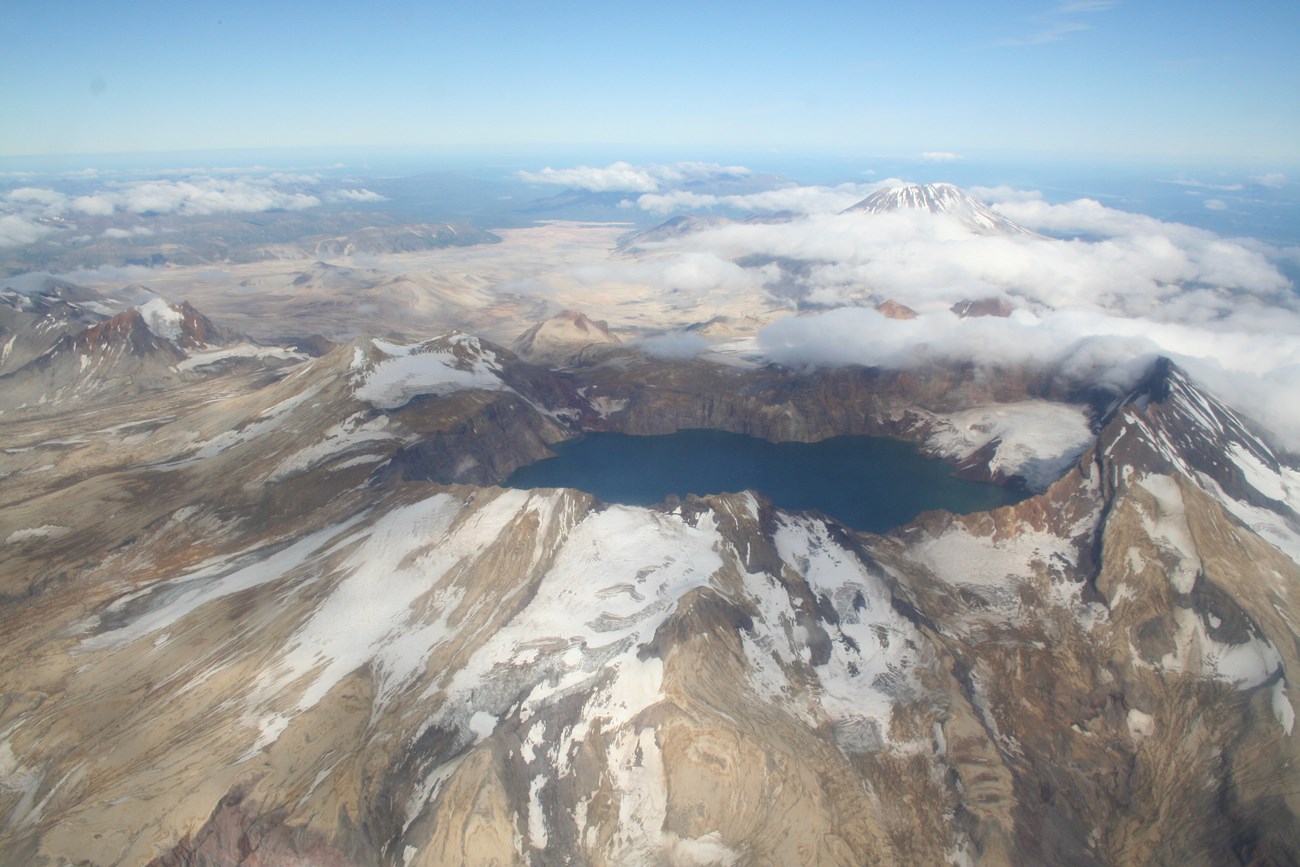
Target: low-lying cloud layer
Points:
(1096, 296)
(793, 199)
(625, 177)
(29, 214)
(198, 197)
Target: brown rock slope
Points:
(290, 657)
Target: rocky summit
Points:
(277, 611)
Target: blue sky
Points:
(1189, 81)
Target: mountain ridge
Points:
(437, 673)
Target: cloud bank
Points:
(1095, 298)
(195, 197)
(625, 177)
(793, 199)
(28, 214)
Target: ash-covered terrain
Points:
(263, 600)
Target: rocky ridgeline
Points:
(317, 632)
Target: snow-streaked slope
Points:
(508, 617)
(940, 199)
(163, 319)
(254, 647)
(1036, 439)
(391, 374)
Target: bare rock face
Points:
(147, 348)
(272, 649)
(893, 310)
(983, 307)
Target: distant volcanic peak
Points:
(937, 198)
(940, 199)
(891, 309)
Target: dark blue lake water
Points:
(869, 483)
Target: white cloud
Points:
(675, 200)
(941, 157)
(1272, 180)
(919, 258)
(1193, 182)
(1253, 368)
(1051, 33)
(133, 232)
(618, 176)
(291, 178)
(1071, 7)
(688, 273)
(992, 195)
(358, 195)
(16, 231)
(1098, 306)
(37, 196)
(794, 199)
(625, 177)
(197, 197)
(1056, 27)
(1216, 204)
(194, 197)
(23, 207)
(95, 206)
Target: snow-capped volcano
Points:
(940, 199)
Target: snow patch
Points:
(1273, 527)
(871, 648)
(243, 350)
(1168, 529)
(1243, 665)
(960, 557)
(164, 603)
(1259, 476)
(45, 531)
(353, 433)
(482, 724)
(537, 836)
(15, 777)
(1140, 725)
(1282, 708)
(705, 851)
(1038, 440)
(163, 319)
(440, 366)
(607, 406)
